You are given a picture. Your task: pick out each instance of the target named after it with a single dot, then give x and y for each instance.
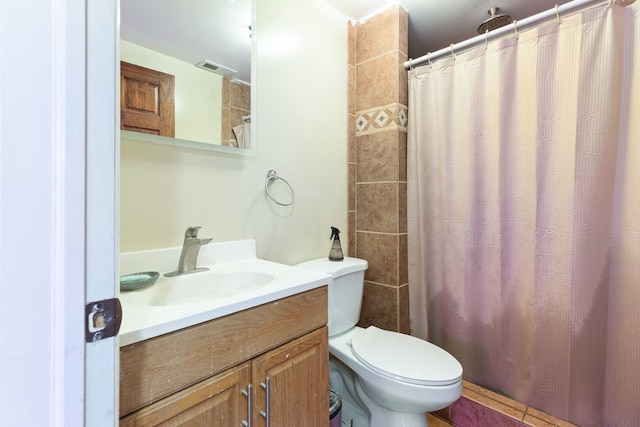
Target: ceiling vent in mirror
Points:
(216, 68)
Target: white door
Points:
(58, 223)
(102, 203)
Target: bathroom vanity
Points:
(268, 359)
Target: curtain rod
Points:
(557, 13)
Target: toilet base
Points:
(342, 381)
(383, 417)
(352, 416)
(358, 410)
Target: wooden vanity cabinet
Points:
(298, 389)
(217, 401)
(200, 376)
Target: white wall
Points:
(301, 132)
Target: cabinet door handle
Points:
(248, 394)
(266, 415)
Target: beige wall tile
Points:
(403, 309)
(403, 79)
(351, 218)
(381, 251)
(379, 307)
(378, 48)
(225, 125)
(235, 116)
(351, 46)
(377, 155)
(240, 96)
(377, 82)
(236, 101)
(378, 35)
(403, 263)
(377, 207)
(351, 75)
(402, 208)
(351, 130)
(226, 83)
(403, 31)
(351, 205)
(402, 156)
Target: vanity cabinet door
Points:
(217, 401)
(297, 385)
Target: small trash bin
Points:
(335, 409)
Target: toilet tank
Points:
(345, 294)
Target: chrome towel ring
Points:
(271, 177)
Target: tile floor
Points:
(479, 407)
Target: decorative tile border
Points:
(380, 119)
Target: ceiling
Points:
(217, 30)
(435, 24)
(192, 30)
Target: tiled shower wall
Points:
(236, 103)
(377, 165)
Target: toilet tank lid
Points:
(335, 268)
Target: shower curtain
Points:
(524, 214)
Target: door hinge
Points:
(103, 319)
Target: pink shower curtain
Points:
(524, 214)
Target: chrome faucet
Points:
(189, 254)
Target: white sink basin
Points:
(198, 287)
(236, 280)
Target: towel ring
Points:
(273, 176)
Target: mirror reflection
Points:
(186, 72)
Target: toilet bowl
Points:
(386, 378)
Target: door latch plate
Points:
(103, 319)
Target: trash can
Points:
(335, 409)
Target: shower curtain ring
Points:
(453, 54)
(429, 59)
(486, 38)
(558, 14)
(515, 28)
(611, 2)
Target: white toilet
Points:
(386, 379)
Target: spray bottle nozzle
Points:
(335, 234)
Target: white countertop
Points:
(141, 322)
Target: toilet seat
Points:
(405, 358)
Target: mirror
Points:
(207, 47)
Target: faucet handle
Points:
(192, 231)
